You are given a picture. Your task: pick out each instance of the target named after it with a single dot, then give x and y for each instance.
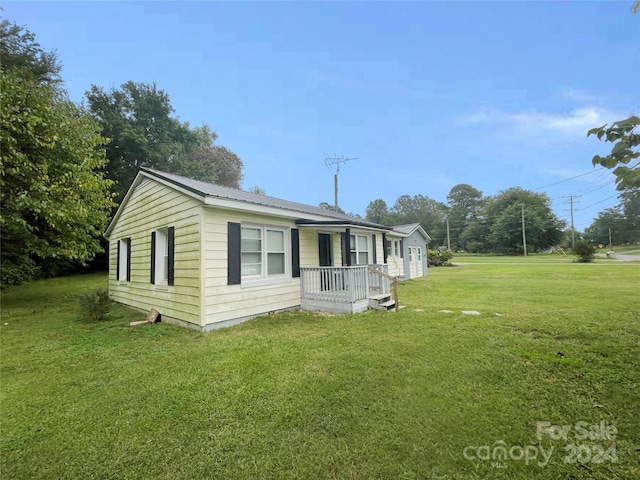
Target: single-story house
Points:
(207, 256)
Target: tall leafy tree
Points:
(20, 53)
(610, 223)
(215, 164)
(504, 213)
(378, 212)
(54, 200)
(429, 213)
(464, 203)
(137, 120)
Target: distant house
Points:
(207, 256)
(407, 248)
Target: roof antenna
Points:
(329, 162)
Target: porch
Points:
(346, 289)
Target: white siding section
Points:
(396, 264)
(152, 206)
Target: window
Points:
(393, 248)
(419, 254)
(162, 256)
(359, 250)
(123, 271)
(263, 252)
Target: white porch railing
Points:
(342, 284)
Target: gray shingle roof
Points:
(218, 191)
(406, 229)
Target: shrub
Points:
(95, 304)
(438, 258)
(585, 251)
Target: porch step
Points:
(388, 305)
(381, 302)
(380, 296)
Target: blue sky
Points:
(426, 95)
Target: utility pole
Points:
(448, 238)
(329, 161)
(573, 230)
(610, 246)
(524, 235)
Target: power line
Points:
(593, 204)
(567, 179)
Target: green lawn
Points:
(379, 395)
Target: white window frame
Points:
(124, 259)
(162, 256)
(264, 278)
(394, 248)
(354, 246)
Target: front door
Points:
(325, 259)
(324, 250)
(415, 262)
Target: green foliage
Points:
(55, 203)
(623, 221)
(215, 164)
(95, 305)
(465, 203)
(625, 149)
(378, 212)
(137, 120)
(584, 251)
(439, 258)
(21, 53)
(498, 226)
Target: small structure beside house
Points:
(408, 246)
(207, 256)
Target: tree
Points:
(608, 222)
(630, 203)
(624, 151)
(215, 164)
(55, 203)
(257, 190)
(328, 206)
(465, 203)
(20, 53)
(377, 212)
(498, 226)
(429, 213)
(136, 119)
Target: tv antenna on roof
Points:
(331, 161)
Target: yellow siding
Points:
(152, 206)
(224, 302)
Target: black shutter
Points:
(234, 254)
(401, 248)
(346, 248)
(129, 259)
(153, 257)
(171, 244)
(118, 261)
(295, 253)
(385, 250)
(373, 250)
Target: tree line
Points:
(474, 223)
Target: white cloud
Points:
(574, 122)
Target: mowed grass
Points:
(377, 395)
